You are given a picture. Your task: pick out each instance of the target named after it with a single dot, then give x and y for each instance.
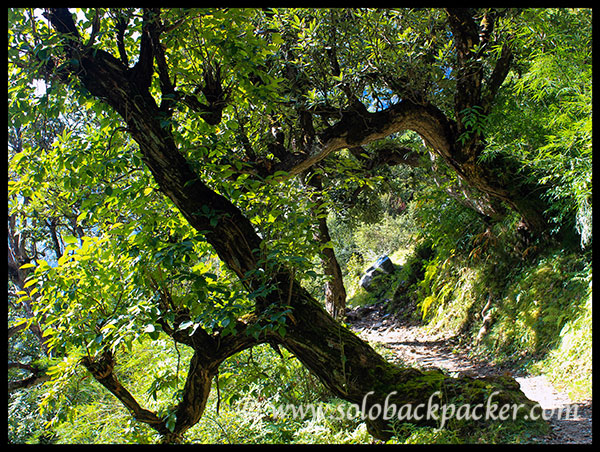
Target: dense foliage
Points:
(103, 255)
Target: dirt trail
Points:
(412, 345)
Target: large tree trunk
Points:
(335, 292)
(347, 365)
(353, 371)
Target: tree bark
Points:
(335, 292)
(37, 377)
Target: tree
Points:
(29, 238)
(550, 131)
(201, 117)
(335, 292)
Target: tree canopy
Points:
(170, 168)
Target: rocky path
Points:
(411, 345)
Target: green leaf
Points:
(70, 240)
(154, 335)
(277, 39)
(171, 421)
(81, 216)
(31, 282)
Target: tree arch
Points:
(190, 65)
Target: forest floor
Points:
(411, 344)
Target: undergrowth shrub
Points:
(569, 365)
(265, 397)
(537, 304)
(536, 301)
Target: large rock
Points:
(367, 278)
(383, 266)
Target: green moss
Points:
(461, 429)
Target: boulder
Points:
(381, 266)
(367, 278)
(385, 264)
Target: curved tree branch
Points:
(497, 77)
(101, 369)
(35, 379)
(142, 71)
(121, 26)
(357, 128)
(388, 155)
